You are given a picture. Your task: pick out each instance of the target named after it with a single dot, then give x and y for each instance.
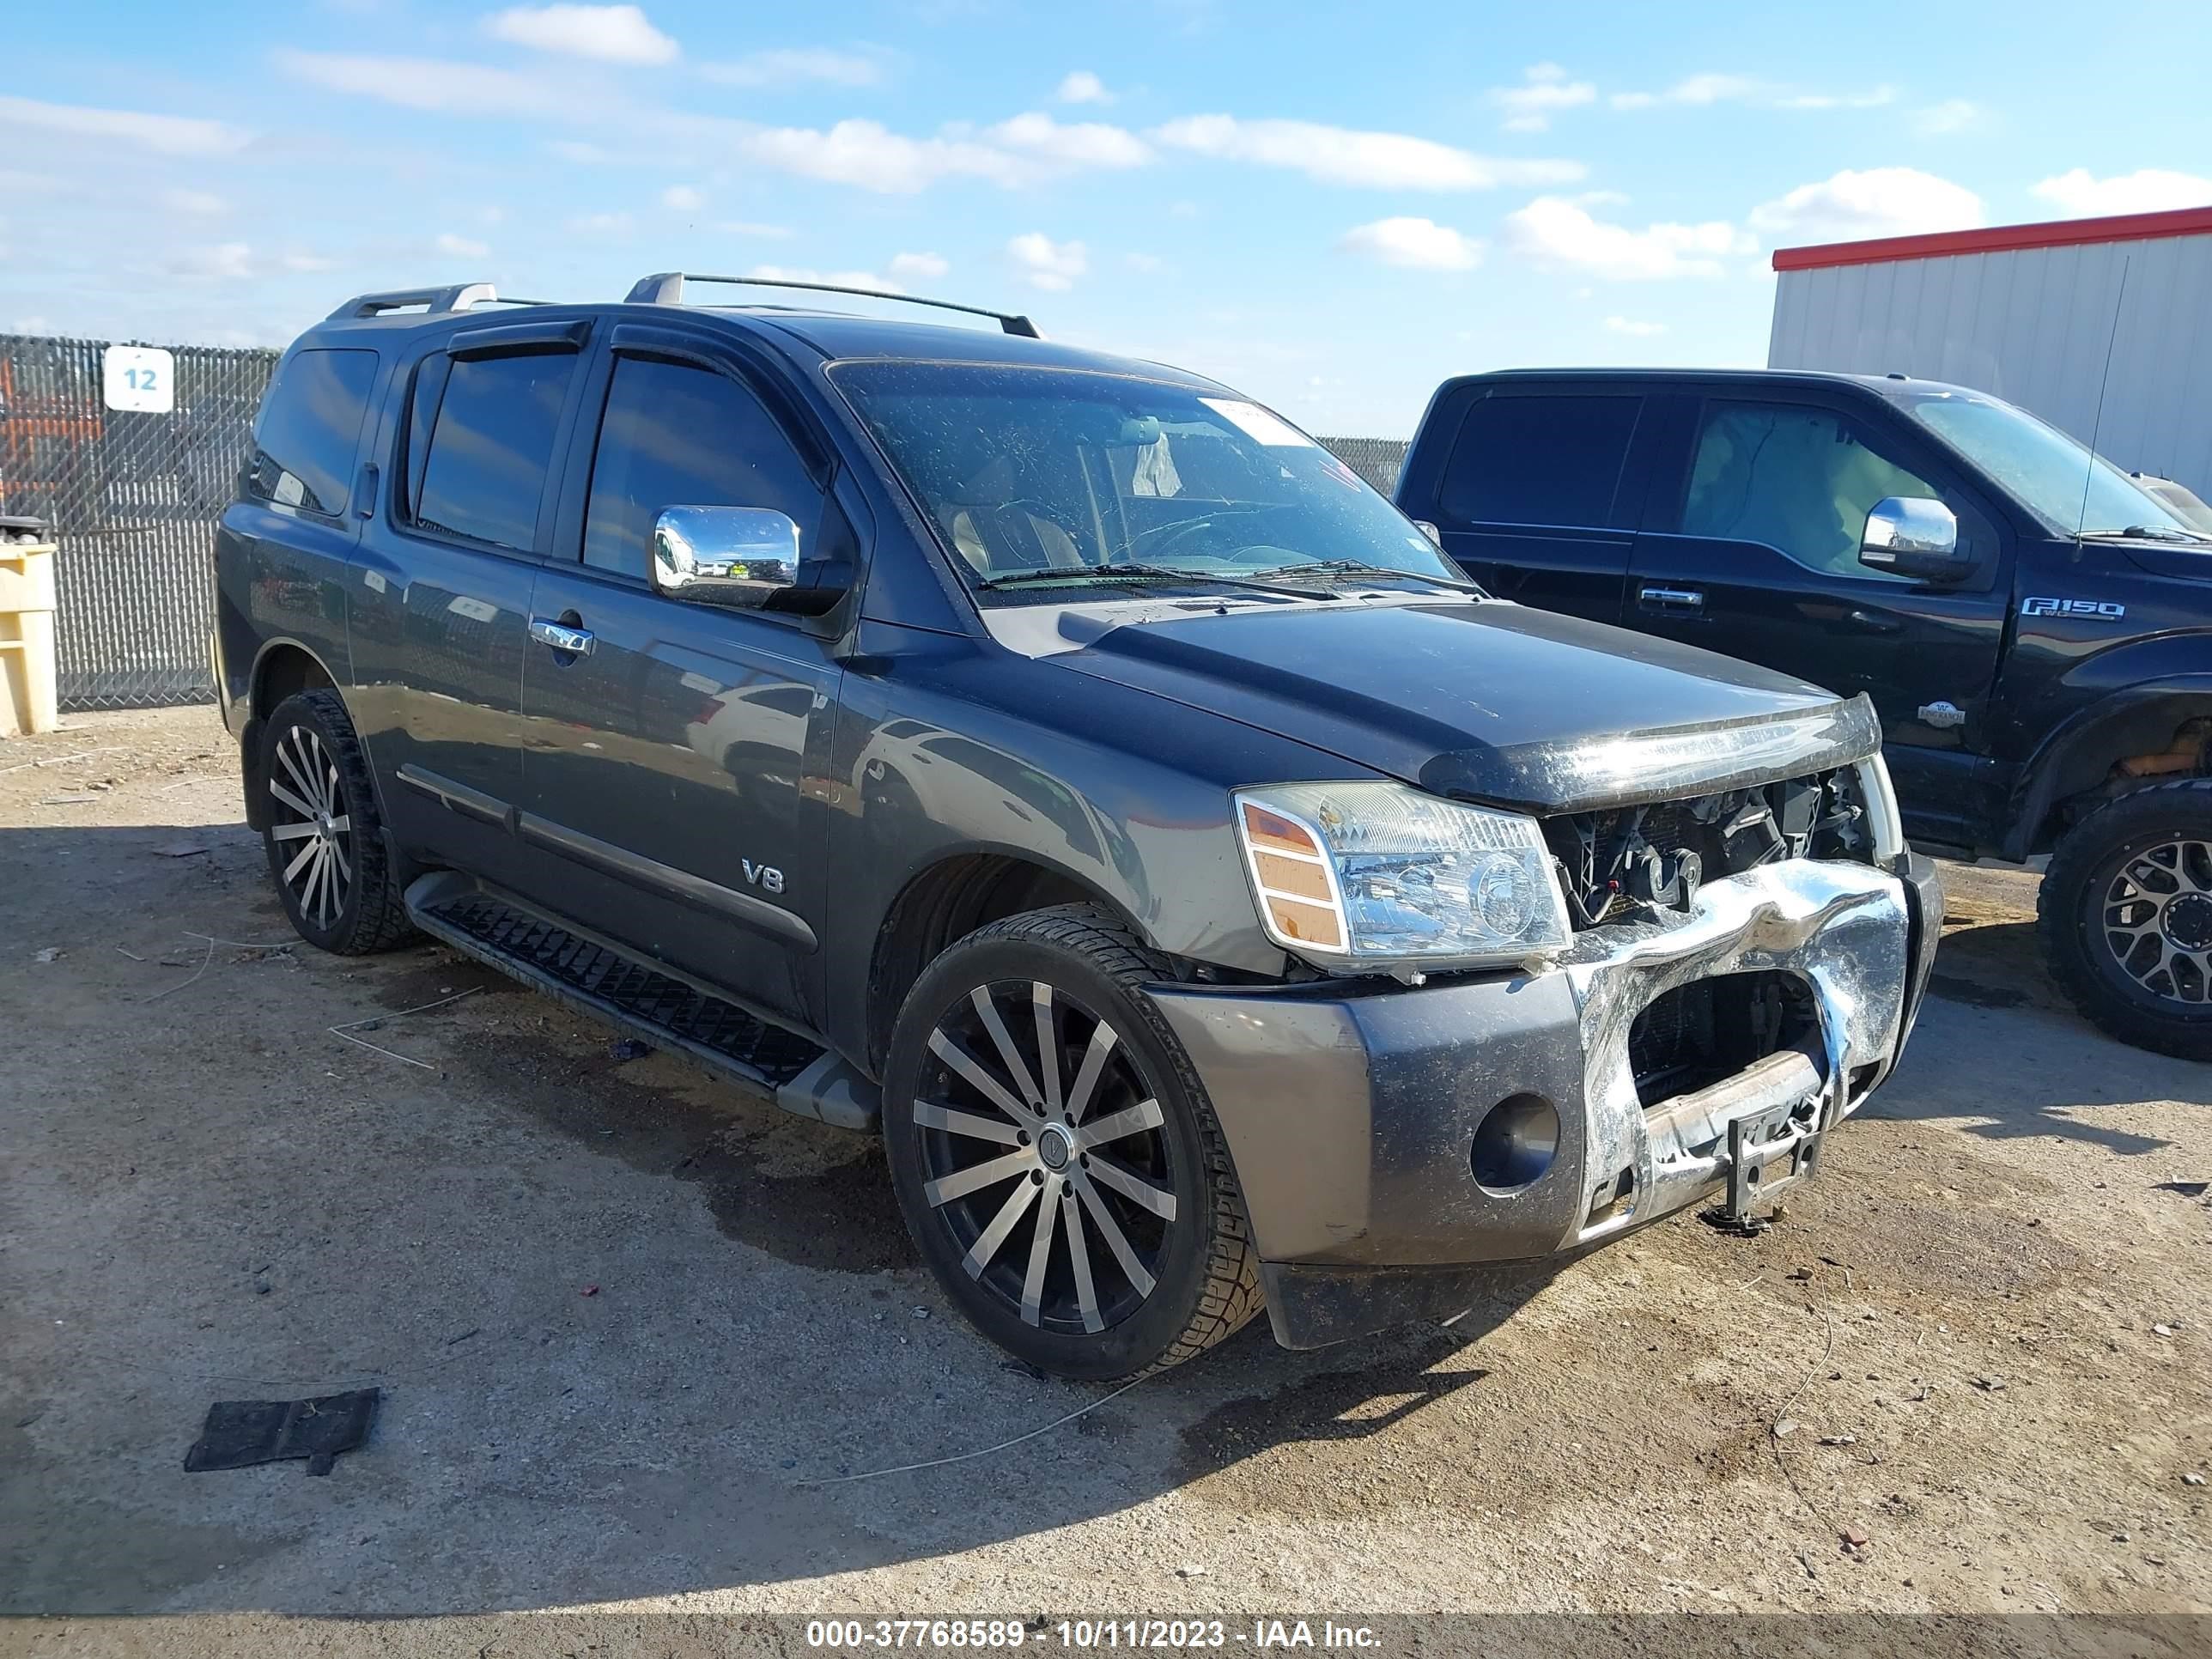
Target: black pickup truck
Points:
(1067, 769)
(2034, 628)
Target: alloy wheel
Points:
(1043, 1153)
(2157, 920)
(311, 827)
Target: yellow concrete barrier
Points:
(26, 638)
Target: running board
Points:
(645, 998)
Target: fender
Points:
(2136, 718)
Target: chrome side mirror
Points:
(1914, 535)
(733, 555)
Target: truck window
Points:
(1552, 460)
(309, 426)
(492, 445)
(675, 435)
(1798, 480)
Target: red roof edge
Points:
(2000, 239)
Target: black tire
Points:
(2127, 921)
(1095, 1321)
(342, 899)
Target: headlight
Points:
(1379, 878)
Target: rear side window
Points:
(1538, 460)
(675, 435)
(308, 429)
(491, 445)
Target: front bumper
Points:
(1350, 1109)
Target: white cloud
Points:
(463, 248)
(1696, 90)
(1878, 202)
(754, 228)
(923, 266)
(1082, 143)
(1417, 244)
(199, 203)
(870, 156)
(601, 224)
(1952, 115)
(610, 35)
(2079, 194)
(1554, 231)
(1082, 86)
(234, 262)
(1338, 155)
(575, 150)
(1633, 327)
(834, 278)
(170, 135)
(1544, 92)
(430, 84)
(1703, 91)
(1145, 264)
(682, 198)
(792, 66)
(1048, 265)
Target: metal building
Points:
(2032, 313)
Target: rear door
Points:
(666, 765)
(1751, 549)
(440, 600)
(1537, 500)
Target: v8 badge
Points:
(2091, 609)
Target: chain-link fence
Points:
(133, 498)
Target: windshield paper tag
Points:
(1255, 423)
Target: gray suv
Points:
(1067, 769)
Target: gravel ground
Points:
(628, 1322)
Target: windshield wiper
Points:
(1048, 574)
(1360, 567)
(2146, 533)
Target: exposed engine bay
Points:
(1624, 862)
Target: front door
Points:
(668, 744)
(1752, 550)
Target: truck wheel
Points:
(1056, 1156)
(323, 836)
(2126, 913)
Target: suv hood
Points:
(1482, 700)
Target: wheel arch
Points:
(947, 900)
(2164, 725)
(282, 667)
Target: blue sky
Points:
(1330, 207)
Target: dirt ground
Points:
(627, 1321)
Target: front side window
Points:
(1548, 460)
(491, 445)
(309, 426)
(1033, 477)
(1797, 479)
(677, 436)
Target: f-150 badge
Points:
(2093, 609)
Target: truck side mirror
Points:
(1914, 535)
(742, 556)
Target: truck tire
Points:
(323, 833)
(2126, 915)
(1056, 1156)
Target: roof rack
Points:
(666, 288)
(460, 296)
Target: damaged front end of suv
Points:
(1718, 944)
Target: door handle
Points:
(576, 641)
(1673, 598)
(1874, 622)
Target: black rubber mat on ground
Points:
(639, 993)
(240, 1433)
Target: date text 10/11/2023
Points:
(1087, 1634)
